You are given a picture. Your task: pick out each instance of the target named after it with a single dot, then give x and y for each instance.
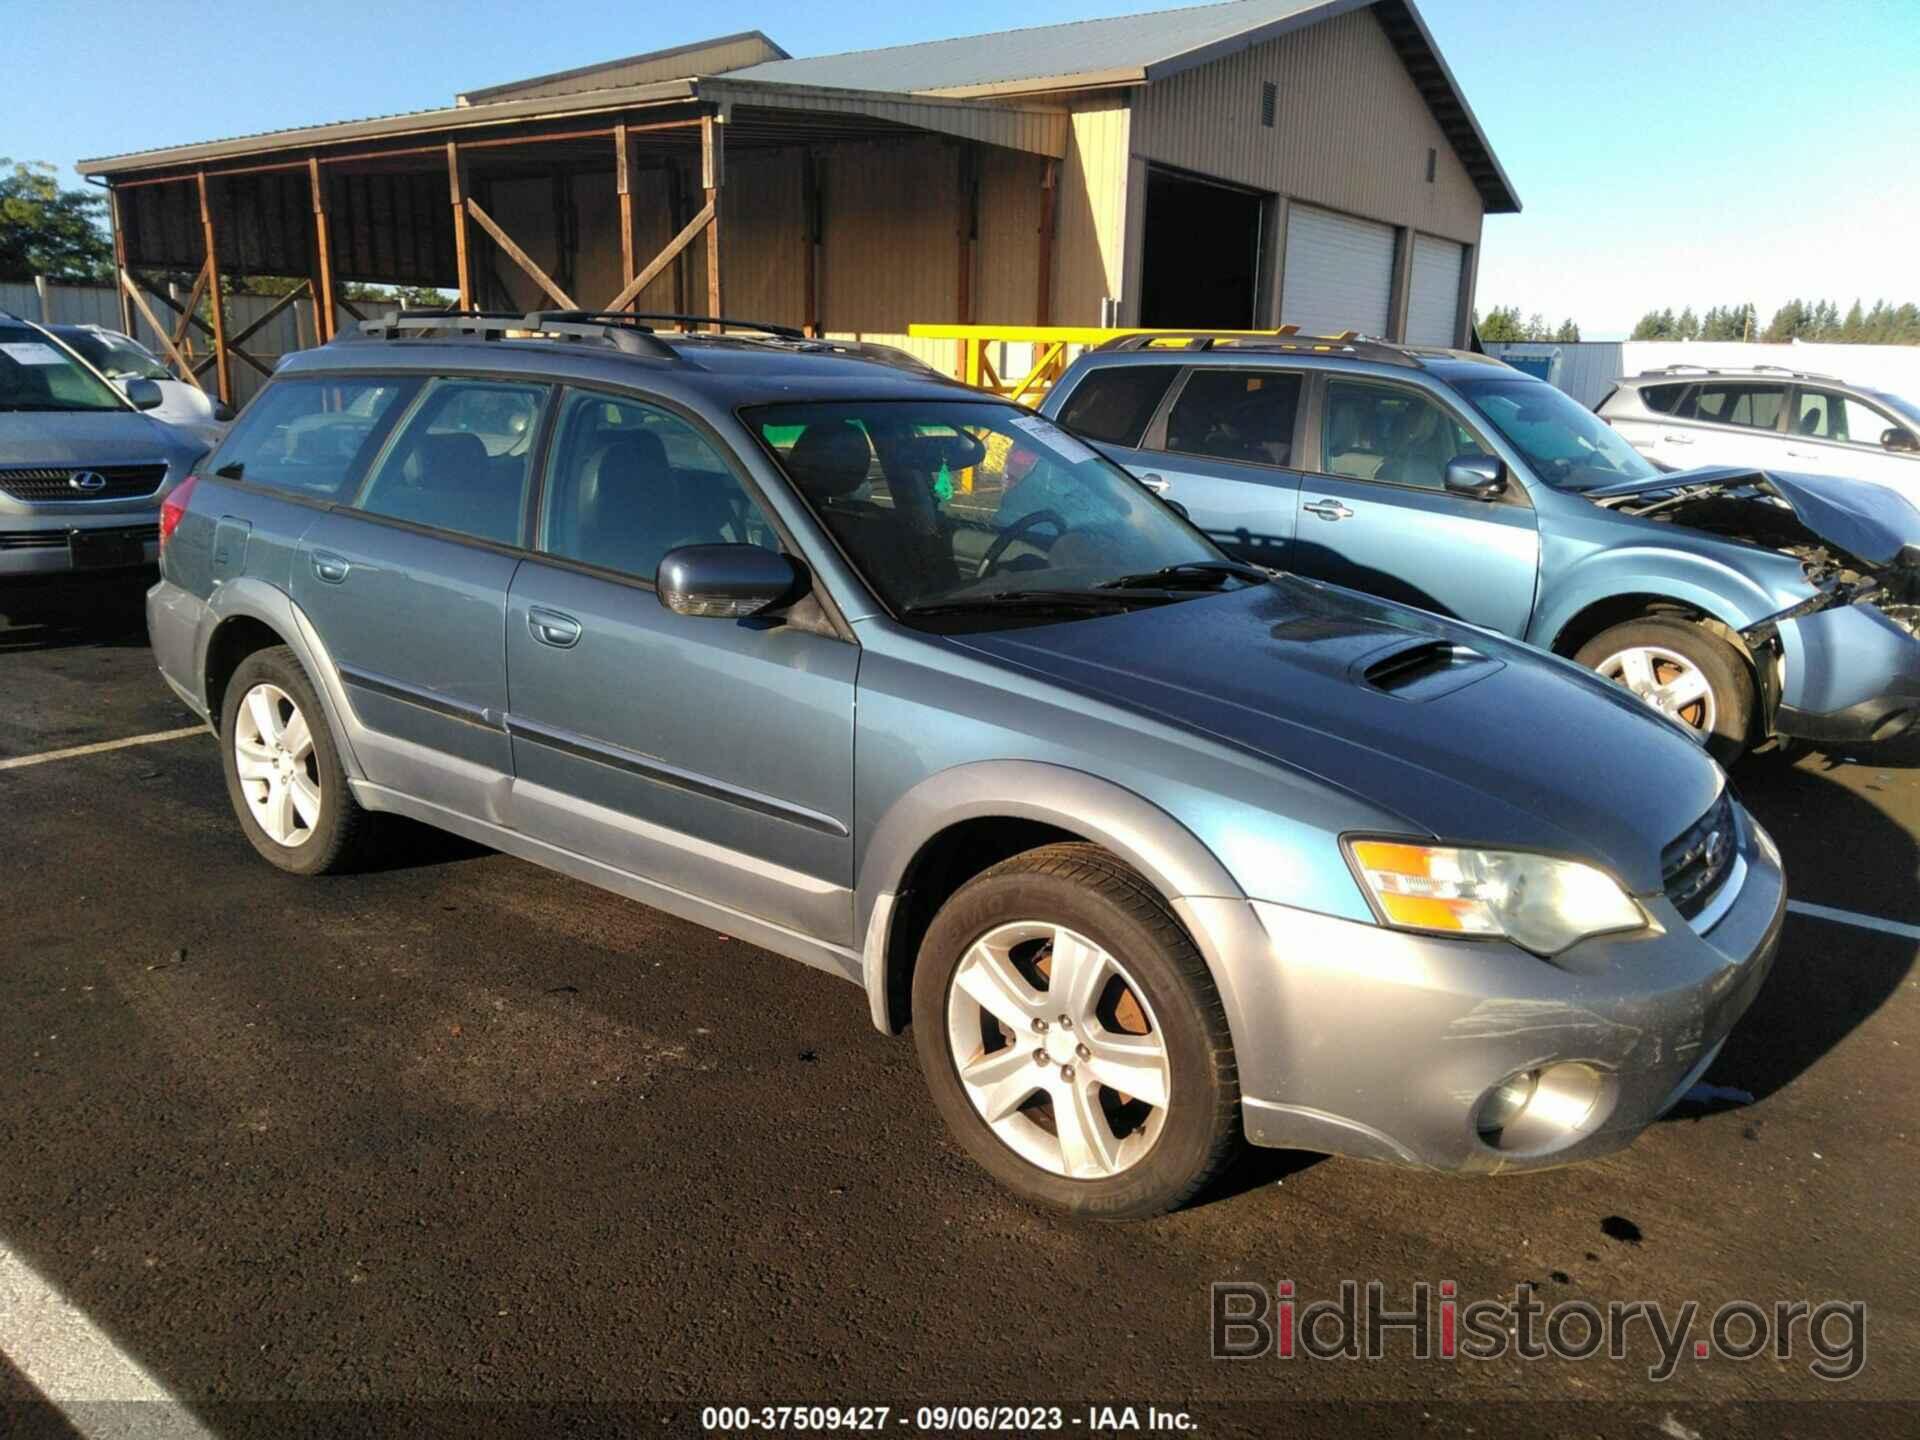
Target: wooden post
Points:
(322, 257)
(223, 369)
(120, 260)
(969, 231)
(677, 220)
(713, 151)
(457, 183)
(623, 186)
(1049, 211)
(810, 207)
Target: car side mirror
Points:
(1482, 476)
(144, 395)
(726, 582)
(1895, 437)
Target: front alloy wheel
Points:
(1686, 672)
(1668, 681)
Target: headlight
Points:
(1540, 903)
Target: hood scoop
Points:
(1425, 669)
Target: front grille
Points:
(1697, 863)
(43, 482)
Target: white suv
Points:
(1770, 418)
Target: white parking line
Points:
(70, 1360)
(20, 762)
(1849, 917)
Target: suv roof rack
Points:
(1287, 339)
(1692, 368)
(637, 319)
(506, 324)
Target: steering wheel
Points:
(1015, 531)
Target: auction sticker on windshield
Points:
(32, 352)
(1051, 435)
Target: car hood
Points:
(1468, 736)
(99, 437)
(1872, 523)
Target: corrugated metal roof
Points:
(1042, 52)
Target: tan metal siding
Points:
(892, 242)
(1088, 259)
(1351, 132)
(1007, 277)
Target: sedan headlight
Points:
(1541, 903)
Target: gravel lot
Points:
(461, 1130)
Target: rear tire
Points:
(1684, 671)
(1148, 1017)
(283, 769)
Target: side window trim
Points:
(1155, 438)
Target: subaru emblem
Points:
(87, 481)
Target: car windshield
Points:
(1567, 445)
(115, 356)
(970, 508)
(1904, 407)
(37, 374)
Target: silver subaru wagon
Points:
(1156, 850)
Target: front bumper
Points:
(1359, 1040)
(38, 547)
(1849, 676)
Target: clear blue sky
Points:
(1668, 152)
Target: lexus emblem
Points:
(87, 481)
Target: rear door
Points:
(1726, 422)
(407, 585)
(713, 757)
(1375, 514)
(1832, 433)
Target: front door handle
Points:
(1328, 510)
(1678, 439)
(1159, 484)
(330, 567)
(550, 627)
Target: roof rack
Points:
(1287, 339)
(1689, 368)
(638, 320)
(508, 324)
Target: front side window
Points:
(1823, 415)
(1755, 407)
(1380, 432)
(948, 504)
(312, 437)
(462, 461)
(37, 374)
(1116, 404)
(628, 482)
(1242, 415)
(115, 356)
(1562, 441)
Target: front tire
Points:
(283, 769)
(1072, 1038)
(1684, 671)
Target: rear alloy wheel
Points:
(1684, 671)
(1072, 1037)
(283, 769)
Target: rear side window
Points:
(1753, 406)
(462, 461)
(1243, 415)
(312, 437)
(1116, 404)
(1662, 398)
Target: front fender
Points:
(1713, 586)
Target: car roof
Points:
(1346, 351)
(1688, 374)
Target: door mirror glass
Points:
(1481, 476)
(726, 582)
(1895, 438)
(144, 395)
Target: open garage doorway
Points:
(1201, 265)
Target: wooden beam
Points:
(810, 210)
(322, 283)
(1049, 213)
(222, 368)
(457, 183)
(160, 331)
(120, 258)
(660, 262)
(188, 320)
(188, 311)
(713, 151)
(520, 257)
(348, 306)
(677, 218)
(623, 187)
(304, 288)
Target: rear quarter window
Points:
(1661, 398)
(1116, 404)
(312, 438)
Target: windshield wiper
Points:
(1074, 601)
(1202, 571)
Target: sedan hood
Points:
(95, 437)
(1468, 736)
(1873, 524)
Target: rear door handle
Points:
(1159, 484)
(550, 627)
(1677, 439)
(330, 567)
(1328, 510)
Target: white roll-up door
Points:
(1339, 273)
(1433, 303)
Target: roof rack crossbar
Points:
(638, 320)
(500, 324)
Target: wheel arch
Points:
(957, 823)
(247, 615)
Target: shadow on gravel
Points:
(108, 610)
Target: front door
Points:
(711, 756)
(1376, 515)
(1836, 434)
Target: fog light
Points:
(1504, 1104)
